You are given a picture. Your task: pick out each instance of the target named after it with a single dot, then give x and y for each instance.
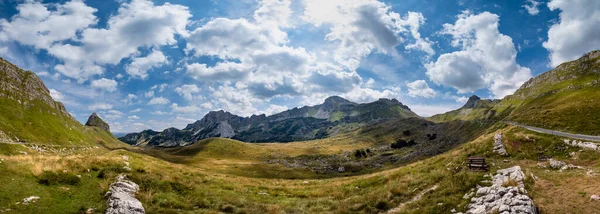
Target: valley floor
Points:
(213, 181)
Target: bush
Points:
(402, 143)
(52, 178)
(406, 132)
(382, 205)
(432, 136)
(357, 154)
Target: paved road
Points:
(558, 133)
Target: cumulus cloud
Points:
(133, 117)
(363, 26)
(139, 67)
(487, 58)
(186, 91)
(37, 26)
(576, 33)
(420, 88)
(159, 101)
(532, 7)
(105, 84)
(137, 24)
(56, 95)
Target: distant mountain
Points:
(29, 114)
(566, 98)
(305, 123)
(475, 108)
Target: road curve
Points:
(558, 133)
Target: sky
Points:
(144, 64)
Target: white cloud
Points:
(487, 58)
(159, 101)
(149, 94)
(99, 106)
(274, 109)
(420, 88)
(425, 110)
(133, 117)
(576, 33)
(137, 24)
(461, 99)
(112, 114)
(184, 109)
(186, 91)
(136, 110)
(159, 113)
(363, 26)
(56, 95)
(105, 84)
(532, 7)
(37, 26)
(139, 67)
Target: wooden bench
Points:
(477, 164)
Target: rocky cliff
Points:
(305, 123)
(95, 120)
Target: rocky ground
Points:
(506, 195)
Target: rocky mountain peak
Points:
(25, 87)
(96, 121)
(336, 100)
(472, 102)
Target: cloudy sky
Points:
(155, 64)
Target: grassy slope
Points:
(34, 121)
(197, 188)
(565, 99)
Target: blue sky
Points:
(156, 64)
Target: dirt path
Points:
(558, 133)
(416, 198)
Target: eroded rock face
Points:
(506, 195)
(95, 120)
(121, 197)
(498, 146)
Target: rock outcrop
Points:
(506, 195)
(581, 144)
(95, 120)
(499, 146)
(121, 197)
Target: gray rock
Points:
(499, 146)
(121, 198)
(555, 164)
(500, 199)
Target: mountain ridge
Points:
(304, 123)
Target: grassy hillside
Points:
(167, 187)
(566, 98)
(28, 114)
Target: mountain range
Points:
(297, 124)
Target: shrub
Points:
(406, 132)
(363, 153)
(52, 178)
(402, 143)
(382, 205)
(357, 154)
(432, 136)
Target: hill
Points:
(28, 114)
(565, 98)
(297, 124)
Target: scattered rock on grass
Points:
(498, 146)
(506, 195)
(30, 199)
(594, 197)
(121, 197)
(556, 164)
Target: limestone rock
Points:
(556, 164)
(498, 146)
(95, 120)
(502, 198)
(121, 197)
